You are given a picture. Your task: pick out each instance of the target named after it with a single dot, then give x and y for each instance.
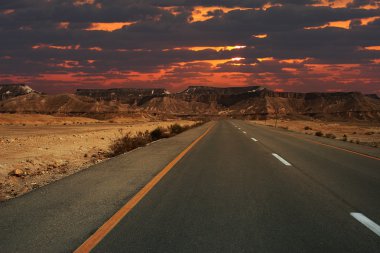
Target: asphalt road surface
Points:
(232, 194)
(249, 188)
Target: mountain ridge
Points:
(246, 101)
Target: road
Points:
(250, 188)
(231, 194)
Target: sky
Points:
(58, 46)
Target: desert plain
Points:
(39, 149)
(358, 132)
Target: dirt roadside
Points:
(40, 149)
(365, 133)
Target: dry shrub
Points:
(319, 134)
(159, 133)
(129, 142)
(330, 135)
(308, 128)
(177, 129)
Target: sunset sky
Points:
(290, 45)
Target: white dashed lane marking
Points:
(371, 225)
(281, 159)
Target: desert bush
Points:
(128, 143)
(158, 133)
(308, 128)
(330, 135)
(369, 133)
(344, 138)
(176, 129)
(318, 133)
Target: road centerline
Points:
(281, 159)
(254, 139)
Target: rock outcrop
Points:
(8, 91)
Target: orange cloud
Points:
(63, 25)
(377, 48)
(294, 60)
(334, 4)
(228, 48)
(345, 24)
(68, 47)
(7, 12)
(260, 36)
(265, 59)
(200, 13)
(109, 27)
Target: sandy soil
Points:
(39, 149)
(356, 132)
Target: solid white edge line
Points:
(371, 225)
(253, 139)
(281, 159)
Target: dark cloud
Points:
(52, 37)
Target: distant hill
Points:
(250, 101)
(8, 91)
(131, 96)
(59, 104)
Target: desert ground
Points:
(365, 133)
(39, 149)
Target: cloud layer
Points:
(301, 45)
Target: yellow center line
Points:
(94, 239)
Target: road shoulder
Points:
(68, 211)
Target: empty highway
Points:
(238, 187)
